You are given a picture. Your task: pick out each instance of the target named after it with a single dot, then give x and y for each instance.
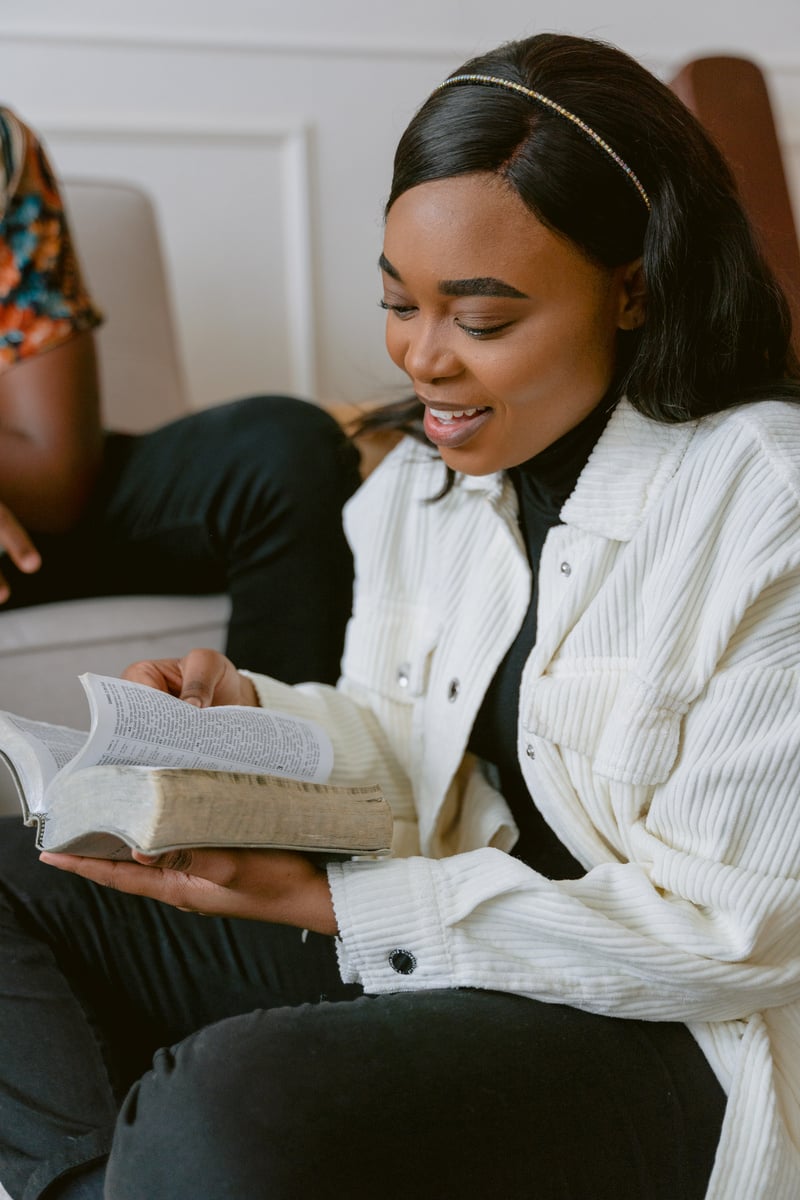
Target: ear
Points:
(633, 296)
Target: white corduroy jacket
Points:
(659, 734)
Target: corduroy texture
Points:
(659, 734)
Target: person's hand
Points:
(202, 677)
(15, 542)
(261, 885)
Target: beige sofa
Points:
(43, 649)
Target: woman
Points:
(571, 665)
(253, 510)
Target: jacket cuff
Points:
(391, 937)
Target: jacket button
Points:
(529, 750)
(453, 689)
(403, 675)
(566, 569)
(402, 961)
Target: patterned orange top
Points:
(43, 299)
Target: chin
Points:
(476, 464)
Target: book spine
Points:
(39, 820)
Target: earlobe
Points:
(634, 296)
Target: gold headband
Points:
(563, 112)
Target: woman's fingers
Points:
(163, 674)
(266, 885)
(169, 885)
(202, 677)
(209, 678)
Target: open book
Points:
(156, 773)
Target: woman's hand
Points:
(260, 885)
(202, 677)
(15, 542)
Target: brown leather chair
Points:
(730, 97)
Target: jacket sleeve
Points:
(701, 923)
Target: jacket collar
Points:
(627, 471)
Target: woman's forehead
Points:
(473, 227)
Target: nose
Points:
(429, 355)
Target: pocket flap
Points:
(630, 731)
(388, 649)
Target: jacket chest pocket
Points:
(389, 648)
(629, 729)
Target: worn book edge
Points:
(158, 809)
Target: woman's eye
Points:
(404, 311)
(482, 331)
(399, 310)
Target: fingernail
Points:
(194, 700)
(30, 562)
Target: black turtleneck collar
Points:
(544, 482)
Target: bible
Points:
(155, 773)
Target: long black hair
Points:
(717, 330)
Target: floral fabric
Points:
(43, 299)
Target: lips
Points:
(451, 428)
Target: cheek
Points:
(513, 378)
(576, 356)
(396, 344)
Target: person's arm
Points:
(701, 924)
(51, 437)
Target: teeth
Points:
(449, 415)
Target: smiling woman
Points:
(574, 669)
(523, 353)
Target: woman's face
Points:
(506, 330)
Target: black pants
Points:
(244, 498)
(271, 1079)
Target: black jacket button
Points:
(402, 961)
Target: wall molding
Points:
(243, 41)
(255, 42)
(292, 140)
(784, 69)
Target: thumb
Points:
(201, 672)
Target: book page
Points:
(42, 752)
(137, 725)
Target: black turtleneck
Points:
(542, 484)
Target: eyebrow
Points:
(481, 285)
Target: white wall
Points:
(265, 132)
